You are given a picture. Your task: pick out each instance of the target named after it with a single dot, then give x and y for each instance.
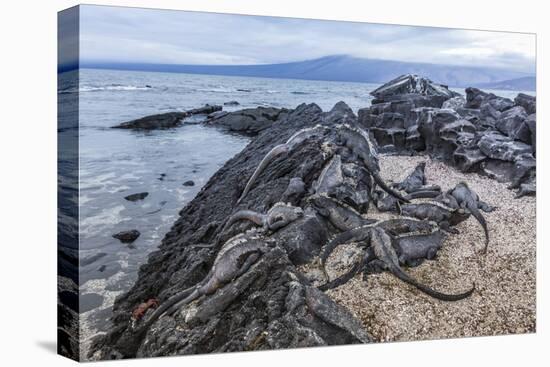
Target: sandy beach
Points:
(504, 301)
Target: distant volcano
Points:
(338, 68)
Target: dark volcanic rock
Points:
(67, 318)
(497, 146)
(411, 84)
(475, 98)
(430, 122)
(303, 239)
(231, 103)
(468, 159)
(136, 197)
(189, 183)
(454, 103)
(250, 120)
(127, 236)
(483, 133)
(529, 103)
(532, 124)
(165, 120)
(513, 123)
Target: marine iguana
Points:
(468, 199)
(360, 143)
(381, 243)
(434, 211)
(290, 144)
(279, 216)
(396, 227)
(381, 250)
(235, 258)
(416, 181)
(339, 214)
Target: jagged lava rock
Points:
(512, 123)
(532, 124)
(250, 120)
(165, 120)
(498, 146)
(529, 103)
(454, 103)
(411, 84)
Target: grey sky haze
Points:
(115, 34)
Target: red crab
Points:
(142, 308)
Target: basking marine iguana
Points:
(355, 139)
(381, 250)
(396, 227)
(290, 144)
(416, 181)
(444, 216)
(460, 197)
(279, 216)
(340, 215)
(235, 258)
(360, 143)
(468, 199)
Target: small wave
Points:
(217, 90)
(113, 87)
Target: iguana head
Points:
(281, 215)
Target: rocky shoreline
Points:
(324, 167)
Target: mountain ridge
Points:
(335, 68)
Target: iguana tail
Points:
(477, 215)
(168, 306)
(278, 149)
(398, 272)
(380, 182)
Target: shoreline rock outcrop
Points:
(482, 133)
(166, 120)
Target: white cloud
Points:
(160, 36)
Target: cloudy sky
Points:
(111, 34)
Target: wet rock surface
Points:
(127, 236)
(137, 197)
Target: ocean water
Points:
(115, 163)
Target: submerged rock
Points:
(136, 197)
(189, 183)
(127, 236)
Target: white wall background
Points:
(28, 180)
